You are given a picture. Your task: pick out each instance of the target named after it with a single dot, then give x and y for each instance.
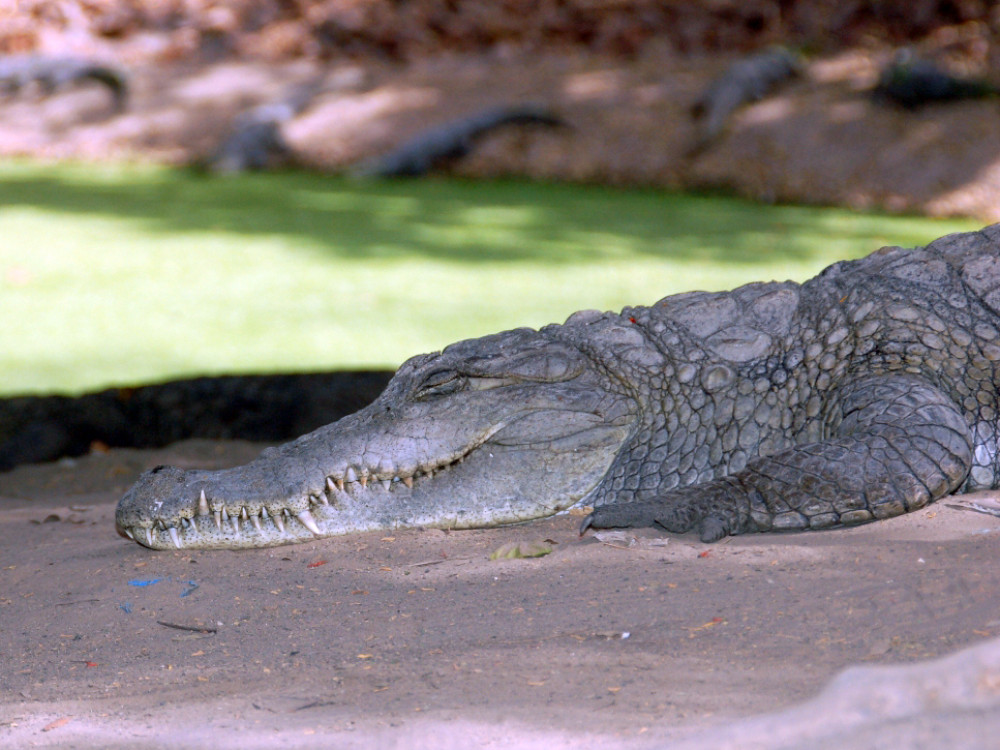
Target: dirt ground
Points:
(417, 639)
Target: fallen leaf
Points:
(513, 550)
(710, 624)
(706, 553)
(57, 723)
(316, 564)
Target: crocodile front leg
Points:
(895, 443)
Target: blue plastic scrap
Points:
(144, 581)
(192, 585)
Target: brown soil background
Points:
(416, 639)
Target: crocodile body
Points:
(745, 81)
(256, 141)
(451, 141)
(912, 82)
(53, 73)
(866, 392)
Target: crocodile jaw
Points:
(482, 462)
(429, 500)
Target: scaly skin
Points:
(864, 393)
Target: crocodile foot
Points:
(678, 517)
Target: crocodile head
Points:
(501, 429)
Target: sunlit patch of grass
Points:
(128, 274)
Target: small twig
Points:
(315, 704)
(976, 507)
(78, 601)
(461, 560)
(983, 509)
(192, 628)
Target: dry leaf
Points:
(513, 550)
(57, 723)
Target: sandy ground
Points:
(417, 639)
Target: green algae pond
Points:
(129, 274)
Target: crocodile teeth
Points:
(203, 509)
(279, 522)
(218, 520)
(408, 481)
(331, 485)
(149, 536)
(255, 520)
(351, 475)
(225, 515)
(175, 537)
(309, 522)
(364, 480)
(128, 533)
(386, 484)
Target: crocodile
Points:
(747, 80)
(866, 392)
(451, 141)
(911, 82)
(256, 142)
(53, 73)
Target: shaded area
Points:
(456, 220)
(263, 408)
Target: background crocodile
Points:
(912, 82)
(867, 392)
(256, 141)
(53, 73)
(746, 81)
(451, 141)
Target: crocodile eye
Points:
(441, 383)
